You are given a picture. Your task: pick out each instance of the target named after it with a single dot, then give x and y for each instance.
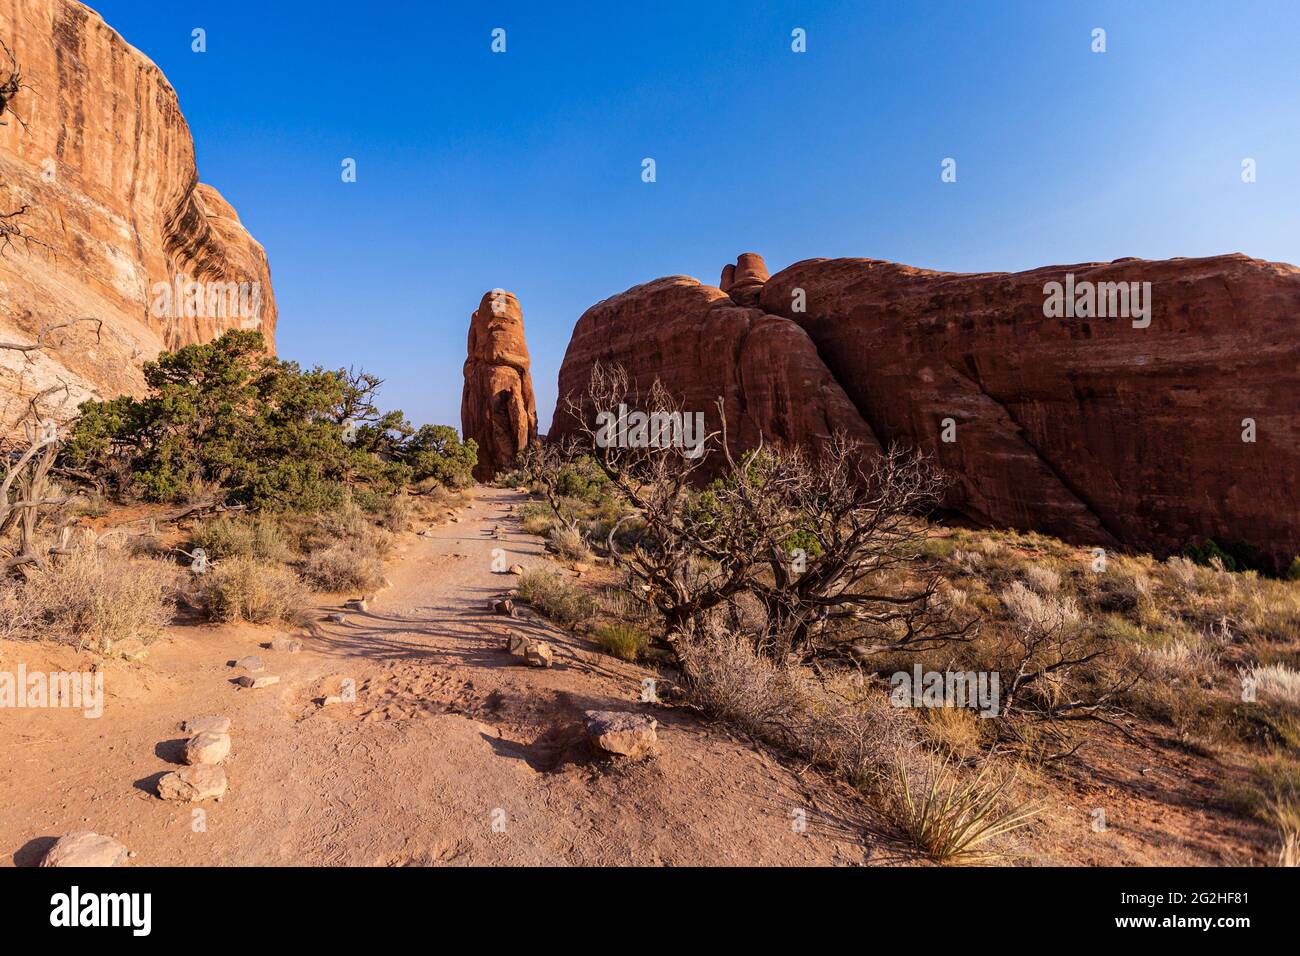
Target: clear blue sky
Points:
(523, 170)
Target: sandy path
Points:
(451, 752)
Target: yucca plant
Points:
(949, 820)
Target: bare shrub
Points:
(245, 589)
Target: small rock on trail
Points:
(252, 663)
(254, 683)
(84, 848)
(621, 733)
(208, 724)
(192, 784)
(207, 748)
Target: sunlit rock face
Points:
(1131, 404)
(119, 229)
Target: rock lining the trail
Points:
(193, 784)
(85, 848)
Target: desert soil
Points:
(452, 752)
(447, 736)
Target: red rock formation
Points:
(704, 346)
(497, 409)
(105, 164)
(1105, 431)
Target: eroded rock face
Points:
(704, 346)
(1104, 431)
(105, 165)
(497, 407)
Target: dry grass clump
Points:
(556, 598)
(1275, 682)
(535, 518)
(621, 640)
(345, 566)
(246, 589)
(95, 597)
(396, 514)
(569, 543)
(226, 537)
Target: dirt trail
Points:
(447, 737)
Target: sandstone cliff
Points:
(1112, 431)
(497, 408)
(97, 149)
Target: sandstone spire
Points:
(497, 409)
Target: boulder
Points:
(517, 644)
(497, 407)
(621, 733)
(83, 848)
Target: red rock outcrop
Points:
(98, 151)
(1113, 431)
(497, 408)
(705, 347)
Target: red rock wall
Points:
(106, 164)
(1085, 428)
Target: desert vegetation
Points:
(240, 483)
(788, 592)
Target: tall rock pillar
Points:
(497, 408)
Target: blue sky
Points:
(523, 169)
